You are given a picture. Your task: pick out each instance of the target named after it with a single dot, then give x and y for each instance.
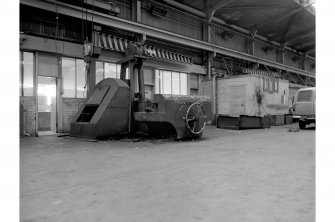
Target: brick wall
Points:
(27, 115)
(70, 107)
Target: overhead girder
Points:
(301, 34)
(289, 25)
(267, 68)
(281, 18)
(291, 77)
(255, 7)
(217, 20)
(306, 47)
(312, 50)
(213, 8)
(116, 22)
(301, 79)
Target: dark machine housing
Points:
(105, 113)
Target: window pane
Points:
(118, 71)
(127, 73)
(47, 65)
(175, 83)
(158, 82)
(166, 82)
(81, 78)
(99, 72)
(183, 84)
(305, 96)
(110, 70)
(20, 75)
(28, 74)
(68, 74)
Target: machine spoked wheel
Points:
(196, 118)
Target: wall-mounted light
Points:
(227, 35)
(158, 10)
(113, 9)
(294, 58)
(22, 40)
(267, 48)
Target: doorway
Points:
(47, 108)
(237, 100)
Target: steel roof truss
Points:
(139, 28)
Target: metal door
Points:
(237, 100)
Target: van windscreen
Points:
(305, 96)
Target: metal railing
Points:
(50, 29)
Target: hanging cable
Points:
(92, 40)
(56, 32)
(82, 21)
(86, 20)
(87, 68)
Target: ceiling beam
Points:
(270, 21)
(311, 50)
(288, 26)
(308, 47)
(213, 8)
(116, 22)
(301, 34)
(256, 7)
(243, 31)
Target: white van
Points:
(304, 106)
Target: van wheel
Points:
(302, 124)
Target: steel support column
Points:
(91, 76)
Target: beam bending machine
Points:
(119, 106)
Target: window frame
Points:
(160, 73)
(22, 73)
(118, 74)
(75, 78)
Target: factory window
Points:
(265, 86)
(74, 79)
(167, 82)
(275, 85)
(107, 70)
(269, 85)
(26, 74)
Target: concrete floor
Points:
(251, 175)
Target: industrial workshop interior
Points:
(167, 110)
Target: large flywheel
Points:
(196, 118)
